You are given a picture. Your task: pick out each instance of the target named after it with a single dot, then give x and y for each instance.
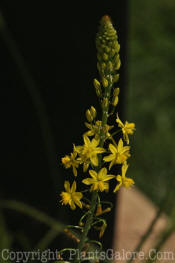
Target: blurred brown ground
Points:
(135, 212)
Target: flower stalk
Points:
(90, 155)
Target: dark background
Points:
(48, 62)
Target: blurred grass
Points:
(151, 94)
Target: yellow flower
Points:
(71, 197)
(95, 130)
(123, 180)
(99, 181)
(88, 152)
(127, 128)
(69, 161)
(119, 154)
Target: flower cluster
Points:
(105, 144)
(88, 156)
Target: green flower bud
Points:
(105, 82)
(115, 78)
(110, 66)
(105, 56)
(118, 65)
(105, 103)
(97, 83)
(98, 91)
(89, 116)
(116, 92)
(115, 101)
(93, 112)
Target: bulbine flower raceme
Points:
(103, 142)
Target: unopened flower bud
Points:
(116, 92)
(105, 103)
(93, 112)
(89, 116)
(96, 83)
(118, 65)
(110, 66)
(105, 56)
(116, 78)
(105, 82)
(115, 101)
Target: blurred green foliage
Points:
(151, 96)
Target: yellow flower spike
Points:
(93, 112)
(122, 179)
(89, 116)
(127, 128)
(71, 197)
(71, 160)
(98, 181)
(119, 154)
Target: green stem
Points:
(88, 221)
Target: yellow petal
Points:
(86, 140)
(67, 186)
(89, 133)
(128, 182)
(95, 142)
(93, 174)
(124, 169)
(94, 160)
(119, 178)
(74, 171)
(73, 188)
(72, 205)
(112, 148)
(102, 173)
(100, 150)
(109, 158)
(108, 177)
(117, 187)
(120, 124)
(111, 164)
(120, 145)
(88, 181)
